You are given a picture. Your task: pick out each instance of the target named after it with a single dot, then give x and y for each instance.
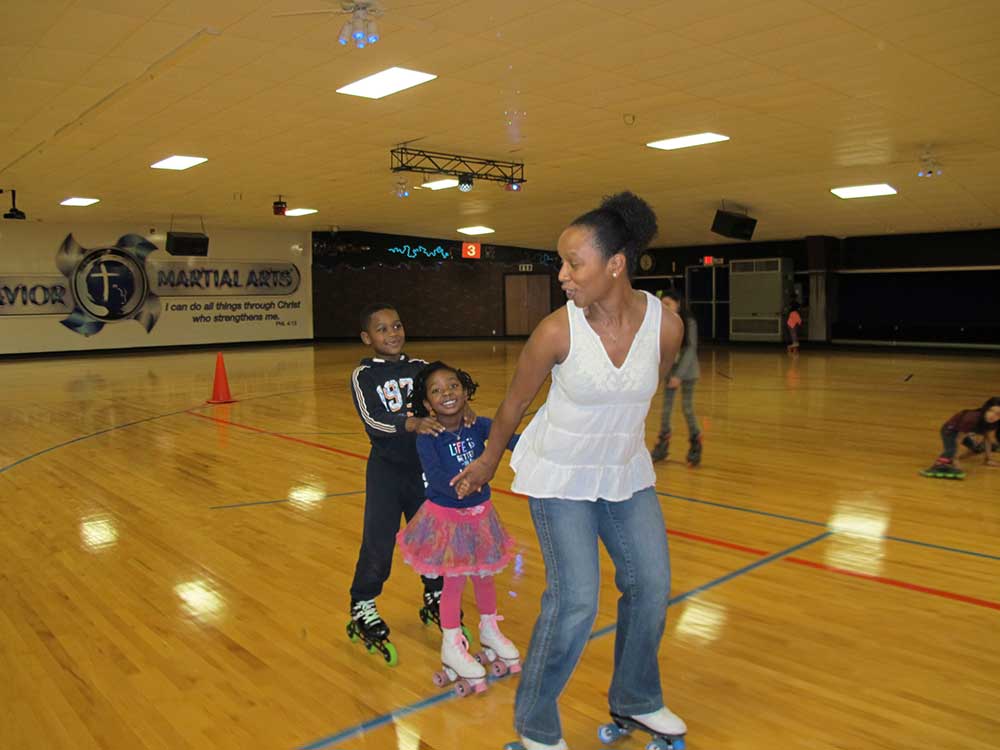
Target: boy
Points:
(382, 387)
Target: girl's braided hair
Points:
(420, 385)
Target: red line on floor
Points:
(289, 438)
(894, 582)
(321, 446)
(718, 542)
(681, 534)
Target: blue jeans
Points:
(687, 404)
(635, 536)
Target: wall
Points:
(860, 298)
(977, 248)
(439, 294)
(69, 288)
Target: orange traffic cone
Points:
(220, 389)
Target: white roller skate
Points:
(458, 666)
(526, 744)
(499, 653)
(665, 728)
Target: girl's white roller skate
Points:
(458, 666)
(498, 654)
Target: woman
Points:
(583, 463)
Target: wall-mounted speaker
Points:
(737, 226)
(187, 243)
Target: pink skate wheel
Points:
(462, 688)
(440, 679)
(498, 668)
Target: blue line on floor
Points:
(282, 500)
(86, 437)
(140, 421)
(728, 577)
(378, 721)
(743, 509)
(943, 547)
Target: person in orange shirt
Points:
(794, 325)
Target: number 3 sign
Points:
(471, 250)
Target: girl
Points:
(794, 325)
(684, 373)
(982, 421)
(458, 538)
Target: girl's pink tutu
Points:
(441, 541)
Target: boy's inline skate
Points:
(431, 612)
(368, 625)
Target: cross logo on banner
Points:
(471, 250)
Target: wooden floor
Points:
(174, 575)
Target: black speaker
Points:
(737, 226)
(187, 243)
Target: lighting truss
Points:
(405, 159)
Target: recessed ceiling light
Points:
(440, 184)
(863, 191)
(387, 82)
(80, 201)
(475, 230)
(686, 141)
(179, 162)
(300, 211)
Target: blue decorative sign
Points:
(413, 252)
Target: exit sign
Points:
(711, 260)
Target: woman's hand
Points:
(673, 383)
(473, 477)
(469, 416)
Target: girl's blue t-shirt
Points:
(444, 456)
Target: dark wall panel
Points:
(438, 294)
(955, 306)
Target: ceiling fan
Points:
(360, 28)
(346, 6)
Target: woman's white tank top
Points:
(587, 442)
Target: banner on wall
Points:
(103, 294)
